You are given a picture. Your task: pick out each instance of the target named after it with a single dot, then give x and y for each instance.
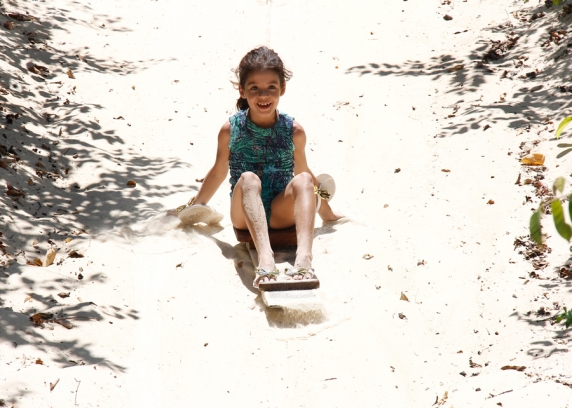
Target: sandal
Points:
(263, 273)
(300, 271)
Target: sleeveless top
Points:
(271, 151)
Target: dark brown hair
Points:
(257, 60)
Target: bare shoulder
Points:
(224, 133)
(298, 129)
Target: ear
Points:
(241, 91)
(283, 89)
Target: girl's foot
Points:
(302, 269)
(264, 275)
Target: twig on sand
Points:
(75, 399)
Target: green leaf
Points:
(570, 206)
(558, 185)
(536, 228)
(562, 125)
(566, 314)
(563, 229)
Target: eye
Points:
(254, 88)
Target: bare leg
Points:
(247, 212)
(296, 205)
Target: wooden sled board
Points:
(282, 293)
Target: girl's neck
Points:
(263, 123)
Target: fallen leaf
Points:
(49, 258)
(131, 183)
(517, 368)
(39, 70)
(367, 256)
(74, 254)
(133, 87)
(119, 117)
(80, 276)
(464, 374)
(421, 263)
(199, 180)
(64, 295)
(39, 361)
(21, 17)
(385, 205)
(30, 182)
(28, 297)
(486, 127)
(38, 262)
(3, 164)
(402, 316)
(444, 399)
(66, 323)
(535, 159)
(456, 68)
(445, 170)
(397, 170)
(41, 318)
(472, 364)
(179, 265)
(447, 17)
(490, 202)
(70, 74)
(68, 240)
(239, 264)
(8, 25)
(403, 297)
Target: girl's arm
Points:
(217, 174)
(301, 165)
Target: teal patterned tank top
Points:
(266, 152)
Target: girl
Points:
(271, 184)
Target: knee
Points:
(303, 181)
(249, 180)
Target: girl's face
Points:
(262, 90)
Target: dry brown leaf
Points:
(39, 361)
(535, 159)
(3, 164)
(70, 74)
(367, 256)
(41, 318)
(131, 183)
(64, 295)
(456, 68)
(66, 323)
(445, 170)
(21, 17)
(74, 254)
(39, 70)
(403, 297)
(38, 262)
(49, 258)
(517, 368)
(8, 25)
(68, 240)
(447, 17)
(490, 202)
(30, 182)
(28, 297)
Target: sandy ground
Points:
(423, 141)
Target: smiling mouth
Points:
(263, 105)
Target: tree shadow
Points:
(506, 59)
(41, 207)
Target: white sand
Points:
(175, 322)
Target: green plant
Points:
(563, 228)
(566, 314)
